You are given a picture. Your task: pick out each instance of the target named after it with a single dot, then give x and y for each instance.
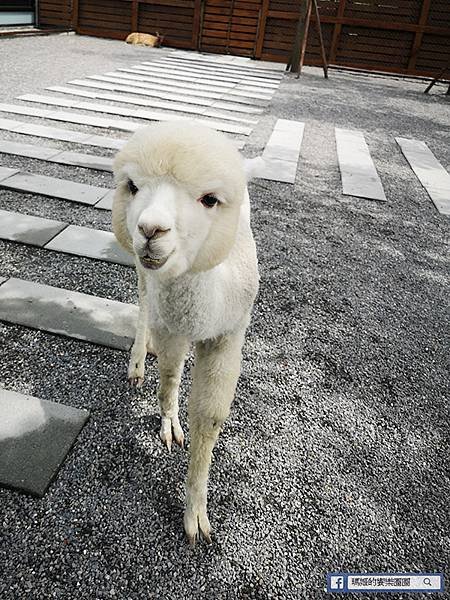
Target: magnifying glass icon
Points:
(427, 581)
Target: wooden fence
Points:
(398, 36)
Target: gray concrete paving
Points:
(68, 313)
(27, 229)
(431, 174)
(358, 173)
(56, 188)
(35, 438)
(335, 453)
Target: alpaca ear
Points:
(119, 221)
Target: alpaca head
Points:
(180, 187)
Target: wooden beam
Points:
(74, 17)
(261, 28)
(295, 59)
(419, 35)
(337, 31)
(134, 16)
(196, 26)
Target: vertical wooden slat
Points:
(198, 9)
(336, 32)
(261, 28)
(134, 15)
(74, 17)
(419, 35)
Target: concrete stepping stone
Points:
(27, 229)
(358, 173)
(3, 279)
(226, 61)
(70, 117)
(111, 84)
(107, 201)
(73, 314)
(116, 110)
(56, 155)
(162, 75)
(35, 437)
(225, 68)
(210, 72)
(64, 135)
(153, 80)
(27, 150)
(161, 99)
(215, 70)
(168, 105)
(88, 161)
(429, 171)
(6, 172)
(92, 243)
(134, 83)
(53, 187)
(282, 152)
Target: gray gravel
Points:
(335, 456)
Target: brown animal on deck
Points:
(145, 39)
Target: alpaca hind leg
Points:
(142, 341)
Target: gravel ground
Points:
(335, 456)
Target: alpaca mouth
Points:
(154, 263)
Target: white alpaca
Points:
(182, 208)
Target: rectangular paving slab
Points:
(107, 201)
(92, 243)
(64, 135)
(88, 161)
(55, 188)
(429, 171)
(6, 172)
(28, 229)
(117, 110)
(358, 173)
(28, 150)
(35, 437)
(282, 151)
(73, 314)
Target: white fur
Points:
(203, 293)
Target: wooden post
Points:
(74, 17)
(198, 10)
(134, 15)
(322, 47)
(419, 35)
(294, 62)
(336, 32)
(305, 38)
(261, 28)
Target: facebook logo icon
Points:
(336, 582)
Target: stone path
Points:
(65, 312)
(35, 437)
(429, 171)
(222, 92)
(359, 175)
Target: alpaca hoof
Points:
(136, 382)
(171, 430)
(195, 520)
(136, 370)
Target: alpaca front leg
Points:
(142, 342)
(171, 352)
(215, 377)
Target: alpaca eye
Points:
(133, 189)
(209, 200)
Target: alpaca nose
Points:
(152, 232)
